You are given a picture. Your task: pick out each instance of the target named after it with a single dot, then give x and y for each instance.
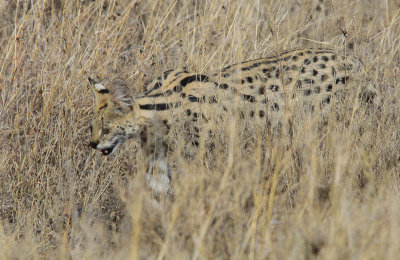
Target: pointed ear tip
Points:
(91, 81)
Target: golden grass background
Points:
(329, 195)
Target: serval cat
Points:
(301, 79)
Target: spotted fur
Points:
(304, 78)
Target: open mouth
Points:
(107, 151)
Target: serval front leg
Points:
(158, 176)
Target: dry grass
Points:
(329, 195)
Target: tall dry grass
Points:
(330, 194)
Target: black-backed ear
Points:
(98, 87)
(121, 94)
(101, 93)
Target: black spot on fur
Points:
(275, 107)
(317, 90)
(308, 81)
(225, 75)
(329, 87)
(261, 90)
(223, 86)
(249, 98)
(298, 84)
(342, 80)
(277, 74)
(265, 70)
(325, 58)
(333, 57)
(307, 92)
(183, 95)
(249, 79)
(188, 112)
(326, 100)
(196, 99)
(294, 67)
(303, 70)
(333, 71)
(212, 100)
(301, 54)
(337, 80)
(306, 62)
(294, 58)
(315, 72)
(178, 88)
(322, 66)
(251, 113)
(274, 88)
(251, 87)
(315, 59)
(345, 79)
(261, 113)
(324, 77)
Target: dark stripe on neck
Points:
(190, 79)
(159, 107)
(166, 73)
(155, 87)
(178, 88)
(164, 94)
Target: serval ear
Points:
(121, 94)
(101, 93)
